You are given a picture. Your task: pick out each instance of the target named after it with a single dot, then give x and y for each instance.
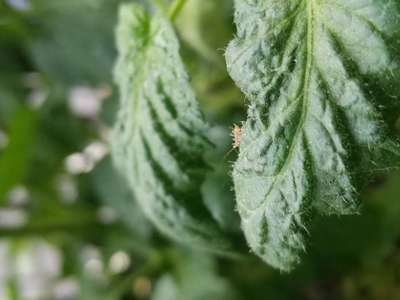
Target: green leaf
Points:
(159, 138)
(321, 80)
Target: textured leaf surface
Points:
(159, 138)
(320, 77)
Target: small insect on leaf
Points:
(320, 78)
(236, 134)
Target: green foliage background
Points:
(64, 44)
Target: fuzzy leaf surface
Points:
(159, 138)
(322, 78)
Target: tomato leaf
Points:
(159, 138)
(322, 81)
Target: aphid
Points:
(236, 135)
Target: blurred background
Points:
(69, 226)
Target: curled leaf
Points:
(159, 138)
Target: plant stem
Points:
(175, 9)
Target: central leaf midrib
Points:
(144, 71)
(305, 91)
(306, 85)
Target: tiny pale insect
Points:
(236, 134)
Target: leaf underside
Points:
(322, 78)
(159, 137)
